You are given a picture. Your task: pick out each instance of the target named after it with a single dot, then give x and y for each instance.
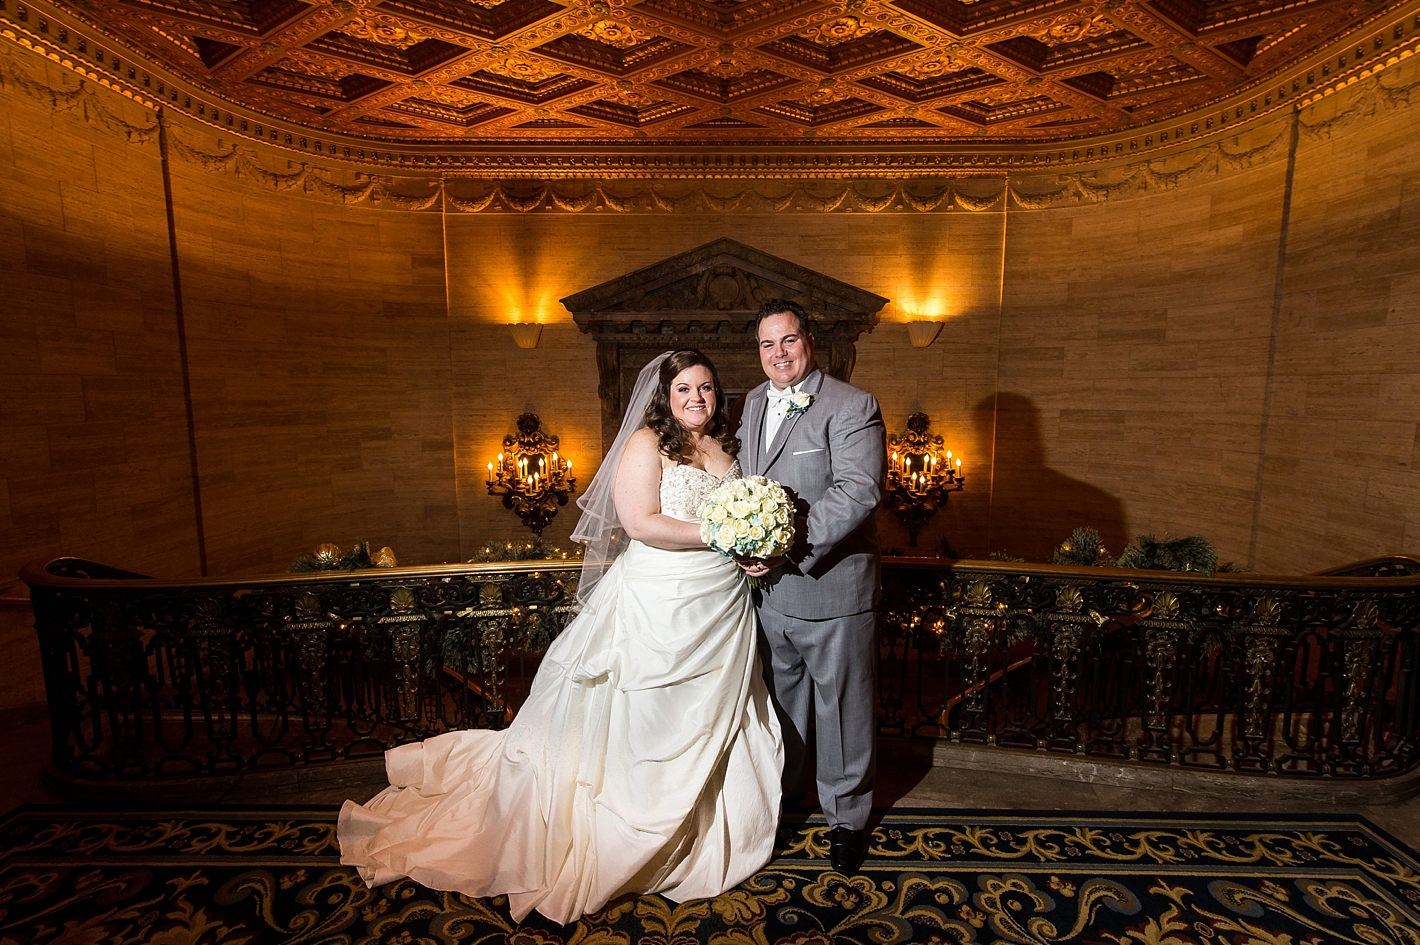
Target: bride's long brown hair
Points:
(672, 436)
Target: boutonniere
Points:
(799, 401)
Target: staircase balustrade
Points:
(1292, 676)
(1302, 676)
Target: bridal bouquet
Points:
(748, 518)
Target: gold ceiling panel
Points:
(725, 73)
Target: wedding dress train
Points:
(646, 758)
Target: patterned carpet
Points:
(233, 877)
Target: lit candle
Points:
(958, 467)
(490, 472)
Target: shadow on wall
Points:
(1034, 508)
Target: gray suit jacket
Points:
(833, 456)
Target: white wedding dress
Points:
(645, 759)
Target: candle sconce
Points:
(530, 475)
(921, 475)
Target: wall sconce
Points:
(525, 334)
(920, 475)
(923, 333)
(532, 478)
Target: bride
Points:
(647, 756)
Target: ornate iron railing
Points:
(1311, 675)
(149, 678)
(1314, 675)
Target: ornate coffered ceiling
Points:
(724, 73)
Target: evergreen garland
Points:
(1145, 552)
(1193, 553)
(459, 649)
(1085, 548)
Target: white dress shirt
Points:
(776, 409)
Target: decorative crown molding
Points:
(1384, 39)
(208, 144)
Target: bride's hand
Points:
(759, 567)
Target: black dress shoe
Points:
(846, 848)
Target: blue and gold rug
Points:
(253, 876)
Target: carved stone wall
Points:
(708, 298)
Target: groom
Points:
(824, 440)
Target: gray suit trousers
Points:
(828, 667)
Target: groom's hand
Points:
(759, 567)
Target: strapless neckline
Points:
(733, 467)
(682, 493)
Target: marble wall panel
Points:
(94, 456)
(1134, 354)
(319, 350)
(1341, 480)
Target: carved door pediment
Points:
(708, 298)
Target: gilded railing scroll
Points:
(1305, 676)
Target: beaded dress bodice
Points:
(683, 488)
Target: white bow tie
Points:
(776, 396)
